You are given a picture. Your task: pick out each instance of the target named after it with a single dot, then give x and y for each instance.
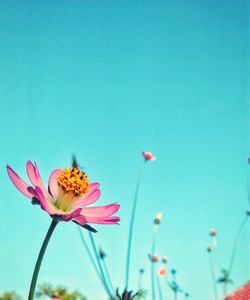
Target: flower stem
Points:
(225, 289)
(176, 287)
(90, 255)
(139, 286)
(109, 281)
(248, 189)
(131, 227)
(153, 263)
(100, 266)
(40, 258)
(159, 288)
(213, 277)
(235, 245)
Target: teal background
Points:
(106, 80)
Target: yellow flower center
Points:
(74, 180)
(72, 184)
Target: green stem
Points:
(100, 266)
(153, 263)
(225, 289)
(109, 281)
(40, 258)
(131, 227)
(90, 255)
(248, 189)
(153, 280)
(176, 288)
(236, 244)
(139, 286)
(159, 287)
(213, 277)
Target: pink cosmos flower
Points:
(67, 196)
(153, 258)
(162, 272)
(148, 156)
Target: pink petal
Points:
(45, 205)
(91, 197)
(94, 186)
(80, 220)
(53, 185)
(19, 183)
(100, 220)
(100, 211)
(35, 177)
(72, 215)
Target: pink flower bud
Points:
(209, 249)
(164, 259)
(213, 232)
(148, 156)
(153, 258)
(157, 219)
(162, 272)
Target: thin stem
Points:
(159, 288)
(100, 265)
(235, 245)
(214, 241)
(131, 227)
(213, 277)
(153, 280)
(90, 255)
(225, 289)
(185, 296)
(107, 274)
(40, 258)
(176, 288)
(139, 286)
(153, 263)
(248, 189)
(154, 239)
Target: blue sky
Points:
(106, 80)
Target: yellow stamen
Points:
(74, 180)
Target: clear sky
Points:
(105, 80)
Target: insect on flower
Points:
(67, 196)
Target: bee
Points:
(74, 162)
